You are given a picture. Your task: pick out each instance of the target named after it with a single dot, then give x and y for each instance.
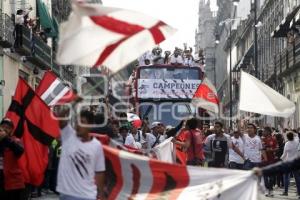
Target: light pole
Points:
(255, 38)
(229, 22)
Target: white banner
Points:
(167, 89)
(141, 178)
(257, 97)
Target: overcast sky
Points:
(181, 14)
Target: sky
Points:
(181, 14)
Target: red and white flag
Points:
(95, 35)
(36, 128)
(138, 177)
(54, 91)
(206, 96)
(134, 120)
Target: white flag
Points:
(95, 35)
(257, 97)
(165, 151)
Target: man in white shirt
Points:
(176, 58)
(236, 161)
(290, 152)
(157, 135)
(131, 140)
(81, 167)
(252, 148)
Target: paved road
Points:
(277, 196)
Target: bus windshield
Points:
(169, 113)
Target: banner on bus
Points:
(167, 88)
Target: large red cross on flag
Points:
(95, 35)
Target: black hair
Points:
(290, 136)
(192, 123)
(99, 118)
(123, 128)
(268, 129)
(88, 115)
(253, 125)
(259, 132)
(219, 123)
(19, 12)
(279, 139)
(7, 122)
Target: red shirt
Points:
(13, 176)
(196, 148)
(270, 143)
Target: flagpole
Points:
(230, 76)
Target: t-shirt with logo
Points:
(78, 163)
(233, 156)
(252, 148)
(218, 146)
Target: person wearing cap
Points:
(12, 184)
(131, 138)
(157, 134)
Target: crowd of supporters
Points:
(179, 57)
(197, 144)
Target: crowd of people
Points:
(180, 57)
(76, 154)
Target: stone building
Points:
(205, 38)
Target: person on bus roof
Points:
(145, 59)
(188, 58)
(156, 56)
(176, 58)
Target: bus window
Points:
(193, 74)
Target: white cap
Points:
(155, 124)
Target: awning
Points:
(284, 27)
(55, 25)
(45, 19)
(245, 60)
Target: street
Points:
(277, 196)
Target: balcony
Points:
(35, 49)
(6, 31)
(288, 59)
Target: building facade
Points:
(31, 57)
(278, 54)
(205, 38)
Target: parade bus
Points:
(163, 92)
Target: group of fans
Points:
(200, 144)
(77, 154)
(178, 58)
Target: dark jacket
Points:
(283, 167)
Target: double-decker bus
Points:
(164, 92)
